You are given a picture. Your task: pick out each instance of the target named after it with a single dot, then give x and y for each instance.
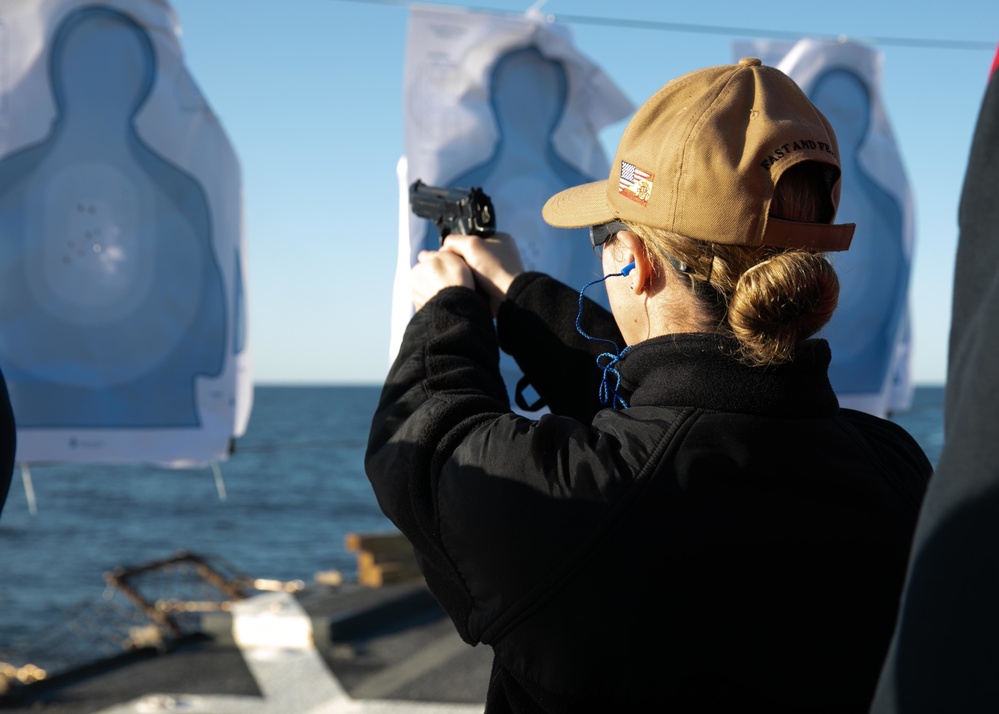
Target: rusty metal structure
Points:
(153, 606)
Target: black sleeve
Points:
(444, 382)
(493, 503)
(8, 442)
(536, 325)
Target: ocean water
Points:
(293, 490)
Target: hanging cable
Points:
(692, 28)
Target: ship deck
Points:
(329, 649)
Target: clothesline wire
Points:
(691, 28)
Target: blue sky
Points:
(310, 94)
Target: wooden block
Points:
(385, 545)
(375, 576)
(332, 578)
(366, 558)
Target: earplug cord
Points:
(606, 361)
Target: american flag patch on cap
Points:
(635, 183)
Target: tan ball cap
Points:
(702, 156)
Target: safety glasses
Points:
(602, 233)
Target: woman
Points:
(696, 526)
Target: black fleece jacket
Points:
(732, 541)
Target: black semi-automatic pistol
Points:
(467, 211)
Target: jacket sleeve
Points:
(444, 382)
(8, 441)
(536, 325)
(493, 503)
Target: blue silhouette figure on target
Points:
(112, 301)
(874, 273)
(528, 98)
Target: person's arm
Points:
(943, 655)
(494, 504)
(443, 384)
(537, 326)
(8, 442)
(536, 321)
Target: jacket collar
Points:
(702, 371)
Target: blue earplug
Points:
(628, 268)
